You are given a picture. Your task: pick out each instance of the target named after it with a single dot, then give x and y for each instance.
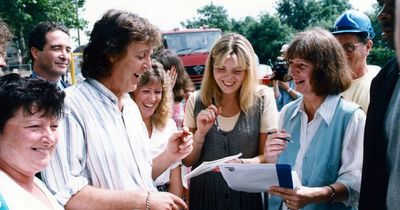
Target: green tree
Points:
(301, 14)
(210, 15)
(267, 37)
(22, 15)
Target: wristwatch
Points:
(333, 194)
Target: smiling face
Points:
(128, 67)
(27, 143)
(386, 18)
(53, 60)
(301, 70)
(148, 97)
(229, 77)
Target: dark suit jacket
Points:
(63, 83)
(374, 174)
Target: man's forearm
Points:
(101, 199)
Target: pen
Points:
(216, 117)
(288, 139)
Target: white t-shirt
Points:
(158, 143)
(17, 198)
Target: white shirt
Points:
(352, 150)
(158, 143)
(17, 198)
(99, 145)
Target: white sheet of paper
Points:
(253, 177)
(209, 165)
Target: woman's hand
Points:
(299, 197)
(206, 118)
(275, 145)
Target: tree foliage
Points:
(22, 15)
(210, 15)
(301, 14)
(268, 33)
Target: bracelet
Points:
(333, 194)
(289, 90)
(148, 201)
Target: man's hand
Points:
(180, 144)
(164, 200)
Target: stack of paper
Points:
(250, 177)
(258, 177)
(210, 165)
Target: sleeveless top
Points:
(209, 190)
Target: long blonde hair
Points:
(240, 49)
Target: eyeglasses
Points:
(349, 47)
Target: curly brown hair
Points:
(111, 35)
(5, 35)
(163, 110)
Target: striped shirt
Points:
(99, 145)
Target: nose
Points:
(65, 54)
(147, 62)
(50, 136)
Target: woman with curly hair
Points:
(154, 99)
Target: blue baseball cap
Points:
(353, 21)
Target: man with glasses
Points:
(354, 31)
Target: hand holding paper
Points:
(259, 177)
(209, 165)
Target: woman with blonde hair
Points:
(230, 114)
(154, 99)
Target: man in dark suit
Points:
(380, 185)
(50, 50)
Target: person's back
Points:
(50, 48)
(354, 31)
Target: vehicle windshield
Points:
(191, 42)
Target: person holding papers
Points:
(230, 114)
(326, 130)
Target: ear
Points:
(112, 58)
(35, 53)
(369, 45)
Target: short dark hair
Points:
(37, 37)
(111, 35)
(318, 46)
(5, 35)
(33, 95)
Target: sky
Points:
(167, 14)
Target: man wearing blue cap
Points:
(354, 31)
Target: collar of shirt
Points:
(324, 110)
(104, 93)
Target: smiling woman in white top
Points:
(154, 99)
(30, 109)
